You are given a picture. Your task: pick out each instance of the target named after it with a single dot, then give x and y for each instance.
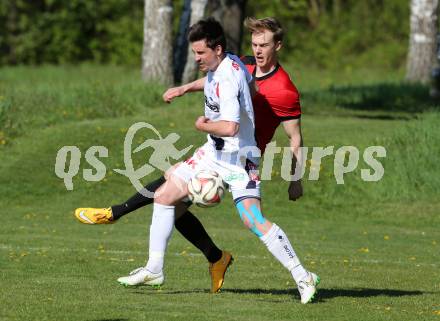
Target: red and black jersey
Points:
(276, 100)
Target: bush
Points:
(325, 33)
(334, 34)
(57, 31)
(412, 160)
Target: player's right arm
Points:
(292, 128)
(174, 92)
(221, 128)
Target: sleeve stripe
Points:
(284, 118)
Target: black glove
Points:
(295, 190)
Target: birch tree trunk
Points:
(11, 35)
(422, 42)
(181, 46)
(157, 63)
(230, 13)
(197, 12)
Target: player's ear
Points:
(278, 45)
(219, 50)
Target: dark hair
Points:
(209, 30)
(259, 25)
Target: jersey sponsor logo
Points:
(212, 105)
(235, 65)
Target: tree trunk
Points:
(181, 47)
(337, 8)
(157, 62)
(230, 13)
(11, 33)
(422, 43)
(313, 13)
(197, 12)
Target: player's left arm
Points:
(292, 127)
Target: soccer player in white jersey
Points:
(229, 123)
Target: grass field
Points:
(375, 245)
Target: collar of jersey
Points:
(223, 64)
(266, 75)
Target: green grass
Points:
(375, 245)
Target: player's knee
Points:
(252, 218)
(164, 198)
(254, 229)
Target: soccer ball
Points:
(206, 189)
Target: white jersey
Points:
(235, 158)
(227, 97)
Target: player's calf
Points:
(278, 244)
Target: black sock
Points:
(190, 227)
(137, 200)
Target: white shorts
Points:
(241, 175)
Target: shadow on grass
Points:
(331, 293)
(363, 293)
(384, 117)
(110, 319)
(398, 97)
(165, 292)
(322, 293)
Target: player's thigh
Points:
(171, 192)
(170, 170)
(176, 186)
(252, 216)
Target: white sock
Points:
(161, 228)
(278, 244)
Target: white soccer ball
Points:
(206, 189)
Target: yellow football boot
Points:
(90, 215)
(218, 269)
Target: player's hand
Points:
(172, 93)
(295, 190)
(200, 122)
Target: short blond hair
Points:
(255, 25)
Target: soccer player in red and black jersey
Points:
(276, 101)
